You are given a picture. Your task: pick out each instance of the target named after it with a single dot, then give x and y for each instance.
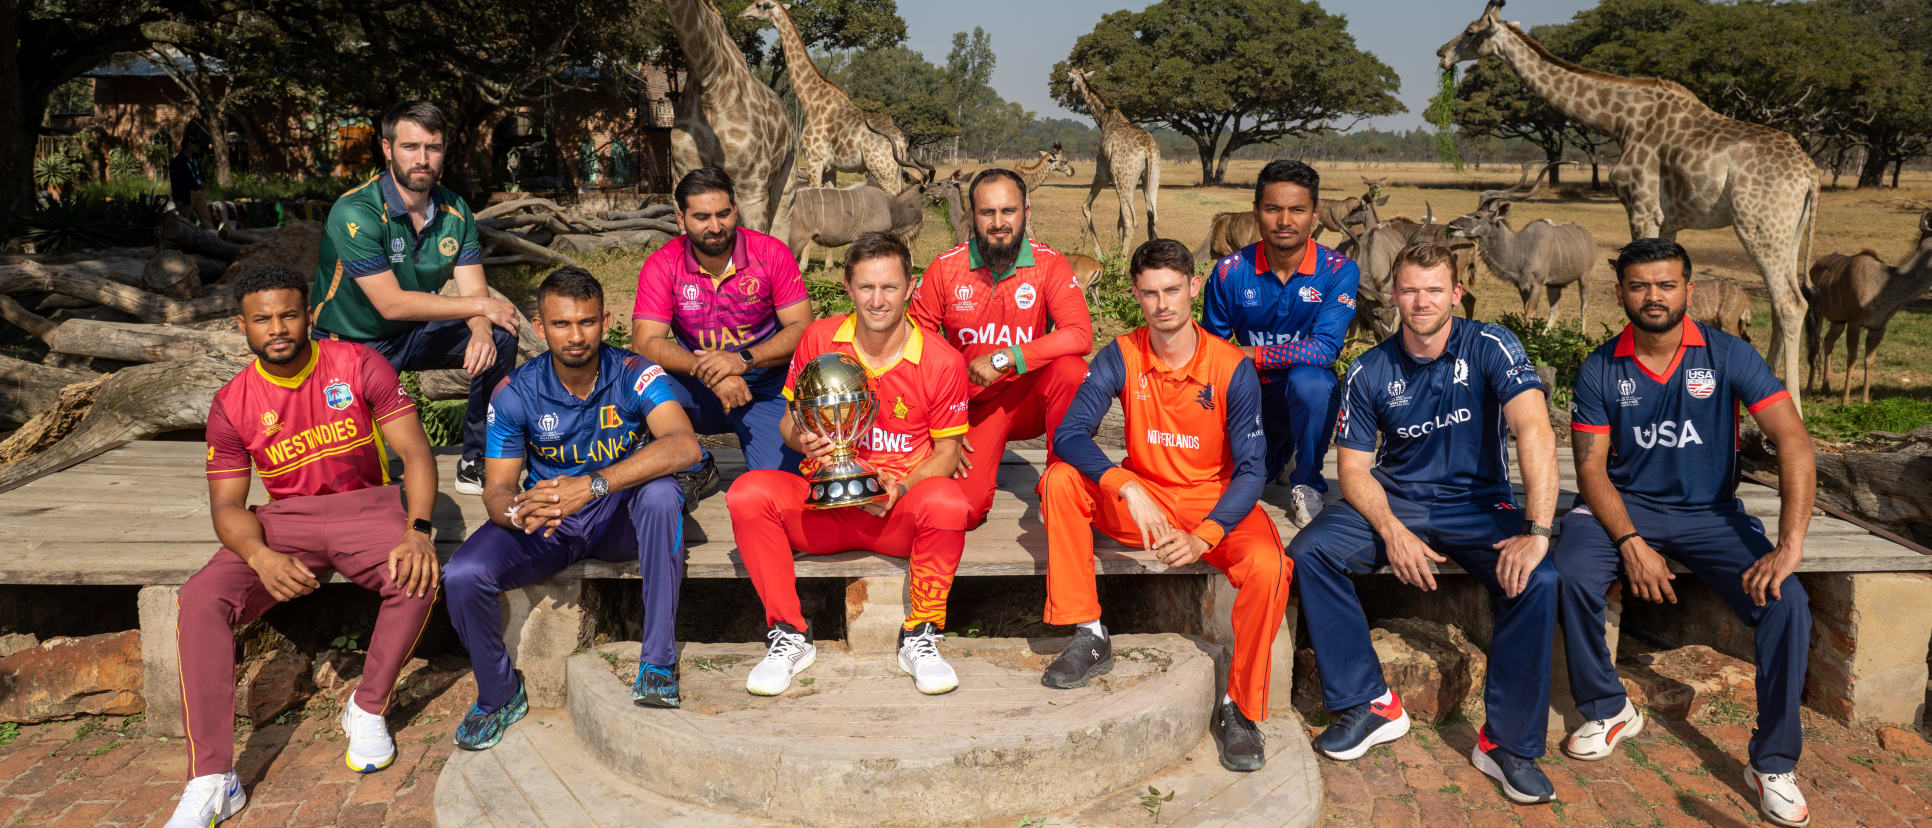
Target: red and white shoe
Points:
(1779, 797)
(1364, 726)
(1598, 738)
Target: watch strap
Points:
(598, 486)
(422, 525)
(1534, 528)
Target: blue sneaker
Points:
(1362, 727)
(1521, 779)
(481, 731)
(655, 686)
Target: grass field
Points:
(1883, 220)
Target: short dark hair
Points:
(994, 173)
(878, 245)
(265, 277)
(1423, 255)
(570, 283)
(421, 113)
(1293, 172)
(1160, 254)
(1645, 251)
(704, 180)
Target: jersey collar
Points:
(1192, 370)
(609, 365)
(315, 355)
(738, 257)
(1306, 268)
(1025, 259)
(1627, 347)
(914, 349)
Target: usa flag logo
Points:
(1700, 382)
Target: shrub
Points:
(83, 222)
(1857, 421)
(122, 164)
(1562, 347)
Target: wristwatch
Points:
(746, 356)
(598, 486)
(1001, 361)
(1533, 528)
(423, 526)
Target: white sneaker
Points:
(919, 657)
(1304, 503)
(1779, 797)
(791, 652)
(370, 748)
(1598, 738)
(208, 800)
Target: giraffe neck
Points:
(1103, 115)
(707, 46)
(1565, 88)
(810, 86)
(1904, 283)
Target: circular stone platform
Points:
(852, 743)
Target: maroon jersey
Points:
(313, 433)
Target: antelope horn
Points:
(1428, 218)
(1539, 178)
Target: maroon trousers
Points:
(347, 532)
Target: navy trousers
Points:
(756, 424)
(1716, 545)
(1298, 416)
(1340, 544)
(645, 523)
(434, 345)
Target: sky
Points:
(1029, 36)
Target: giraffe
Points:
(728, 119)
(1126, 153)
(1683, 166)
(838, 136)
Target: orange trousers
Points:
(1251, 556)
(1031, 405)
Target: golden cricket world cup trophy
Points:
(832, 399)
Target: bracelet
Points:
(511, 513)
(1622, 540)
(1019, 360)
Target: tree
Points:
(1231, 73)
(901, 83)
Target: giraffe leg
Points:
(1153, 193)
(1872, 338)
(1773, 248)
(1125, 192)
(1086, 210)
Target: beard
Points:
(402, 178)
(716, 248)
(1671, 318)
(261, 352)
(1434, 325)
(590, 355)
(999, 258)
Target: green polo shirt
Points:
(369, 232)
(1025, 258)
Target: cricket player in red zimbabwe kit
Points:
(1011, 306)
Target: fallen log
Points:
(71, 404)
(175, 232)
(28, 388)
(666, 226)
(513, 242)
(652, 211)
(32, 277)
(586, 242)
(134, 404)
(26, 320)
(510, 207)
(173, 274)
(514, 222)
(243, 236)
(1886, 486)
(144, 343)
(512, 261)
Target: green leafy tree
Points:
(1230, 73)
(901, 83)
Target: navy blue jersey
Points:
(1673, 436)
(533, 417)
(1444, 439)
(1301, 322)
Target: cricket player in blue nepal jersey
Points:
(1443, 394)
(1287, 302)
(1654, 423)
(593, 436)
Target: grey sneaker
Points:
(1304, 503)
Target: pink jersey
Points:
(314, 433)
(729, 313)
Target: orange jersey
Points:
(921, 395)
(312, 434)
(1036, 306)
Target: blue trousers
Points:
(1340, 544)
(433, 345)
(756, 424)
(1298, 415)
(1716, 545)
(645, 523)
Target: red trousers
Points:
(1251, 556)
(1031, 405)
(769, 520)
(347, 532)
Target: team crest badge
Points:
(1206, 399)
(1309, 294)
(1461, 376)
(1626, 386)
(899, 408)
(1024, 296)
(690, 292)
(271, 422)
(1248, 298)
(547, 426)
(447, 246)
(338, 395)
(748, 285)
(1346, 300)
(396, 245)
(607, 418)
(1700, 382)
(1397, 387)
(963, 292)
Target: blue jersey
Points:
(1444, 438)
(1301, 322)
(534, 417)
(1673, 436)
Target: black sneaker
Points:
(469, 476)
(1086, 656)
(1362, 727)
(1521, 779)
(699, 484)
(655, 686)
(1238, 740)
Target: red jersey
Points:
(922, 395)
(1036, 305)
(313, 433)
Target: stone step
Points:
(857, 745)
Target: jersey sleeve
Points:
(468, 238)
(1323, 343)
(787, 286)
(1357, 425)
(654, 289)
(1217, 312)
(355, 232)
(809, 345)
(505, 430)
(1247, 448)
(381, 390)
(647, 386)
(1505, 365)
(927, 307)
(948, 418)
(227, 455)
(1072, 323)
(1589, 410)
(1073, 440)
(1752, 382)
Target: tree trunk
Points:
(218, 138)
(1897, 165)
(1551, 156)
(1205, 148)
(177, 233)
(1872, 172)
(150, 307)
(134, 404)
(134, 342)
(19, 121)
(28, 388)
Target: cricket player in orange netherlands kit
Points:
(1012, 307)
(1187, 491)
(919, 383)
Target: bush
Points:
(122, 163)
(1561, 347)
(83, 222)
(1856, 421)
(442, 419)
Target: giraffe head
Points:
(1078, 78)
(1057, 161)
(1477, 40)
(766, 10)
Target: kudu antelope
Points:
(1375, 249)
(1861, 293)
(1542, 257)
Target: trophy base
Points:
(845, 490)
